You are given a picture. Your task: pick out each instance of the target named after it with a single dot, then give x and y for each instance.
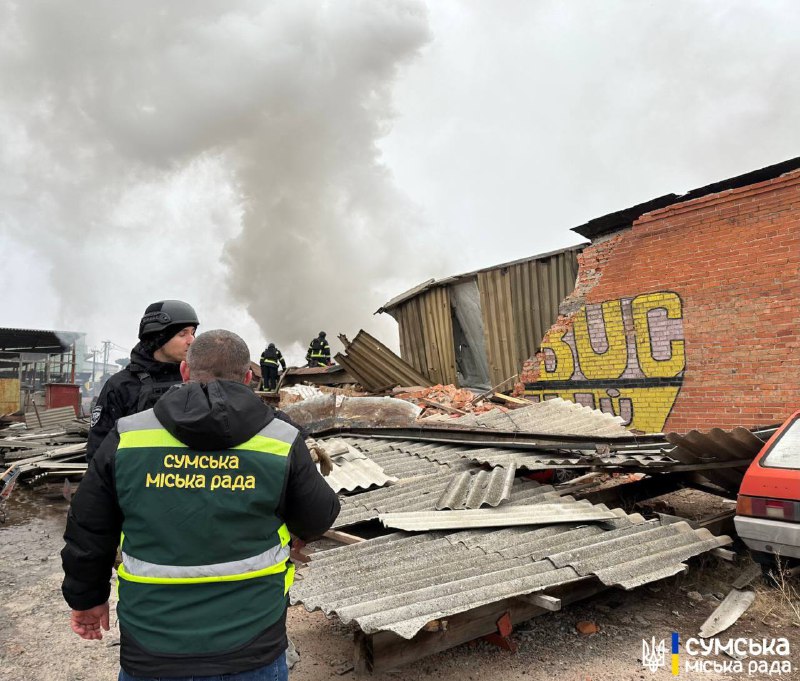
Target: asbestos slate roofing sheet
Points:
(422, 494)
(551, 417)
(535, 461)
(473, 490)
(505, 516)
(405, 581)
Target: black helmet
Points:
(322, 334)
(166, 315)
(271, 346)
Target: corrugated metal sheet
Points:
(717, 445)
(519, 303)
(537, 289)
(375, 366)
(504, 516)
(551, 417)
(473, 490)
(49, 417)
(412, 342)
(498, 327)
(404, 582)
(437, 322)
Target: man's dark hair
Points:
(218, 354)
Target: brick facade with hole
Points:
(689, 319)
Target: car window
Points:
(785, 453)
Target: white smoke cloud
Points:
(225, 153)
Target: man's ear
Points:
(185, 371)
(248, 377)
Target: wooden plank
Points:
(385, 650)
(511, 400)
(544, 601)
(443, 407)
(724, 554)
(343, 537)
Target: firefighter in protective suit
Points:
(319, 352)
(269, 367)
(166, 331)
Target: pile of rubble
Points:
(450, 401)
(54, 451)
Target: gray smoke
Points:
(221, 152)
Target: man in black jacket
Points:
(204, 489)
(165, 333)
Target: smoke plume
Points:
(223, 152)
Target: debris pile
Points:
(447, 400)
(39, 455)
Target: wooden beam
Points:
(518, 401)
(443, 407)
(343, 537)
(543, 601)
(724, 554)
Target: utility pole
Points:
(94, 365)
(106, 352)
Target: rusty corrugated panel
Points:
(49, 417)
(437, 325)
(9, 395)
(537, 289)
(498, 324)
(412, 341)
(375, 366)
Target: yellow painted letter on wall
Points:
(565, 364)
(641, 306)
(611, 363)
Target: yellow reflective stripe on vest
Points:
(122, 573)
(288, 579)
(271, 561)
(149, 438)
(267, 445)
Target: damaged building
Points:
(475, 329)
(683, 314)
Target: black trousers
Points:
(269, 373)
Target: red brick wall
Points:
(729, 267)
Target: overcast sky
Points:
(289, 167)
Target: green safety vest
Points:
(204, 556)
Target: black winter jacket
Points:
(121, 394)
(218, 415)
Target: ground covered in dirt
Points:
(36, 643)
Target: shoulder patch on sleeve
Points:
(96, 412)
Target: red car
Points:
(768, 508)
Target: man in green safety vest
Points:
(201, 494)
